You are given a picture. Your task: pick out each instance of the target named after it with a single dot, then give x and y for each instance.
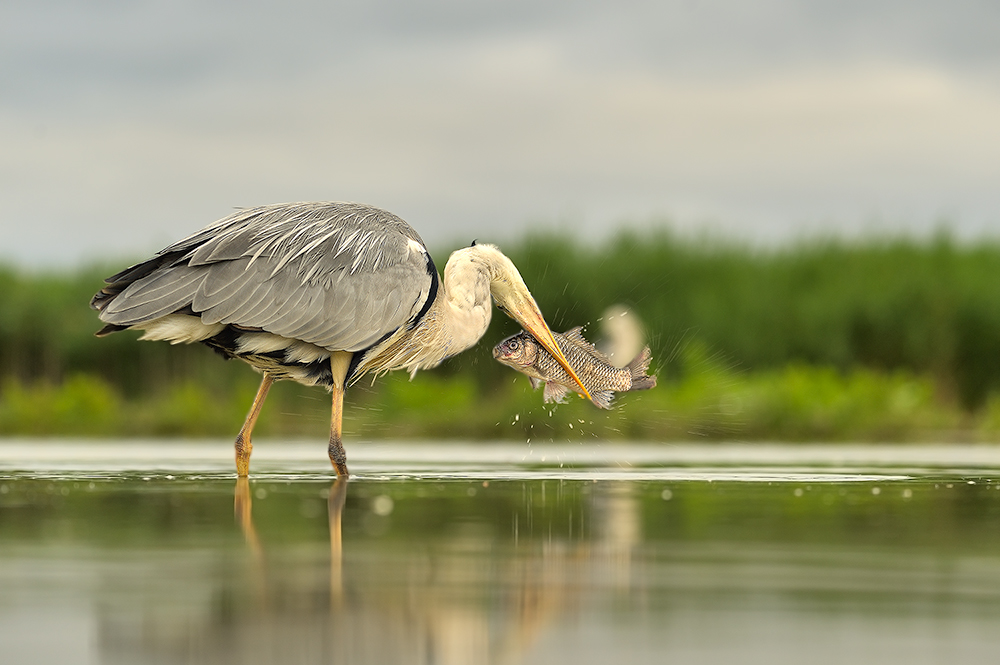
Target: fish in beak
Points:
(521, 306)
(511, 295)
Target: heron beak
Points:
(525, 311)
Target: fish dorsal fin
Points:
(575, 337)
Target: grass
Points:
(889, 339)
(709, 401)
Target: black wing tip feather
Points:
(108, 329)
(123, 279)
(101, 299)
(139, 270)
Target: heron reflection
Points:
(420, 601)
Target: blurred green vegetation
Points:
(882, 339)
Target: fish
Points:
(601, 378)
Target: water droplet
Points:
(876, 491)
(666, 495)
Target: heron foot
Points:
(243, 445)
(338, 457)
(243, 449)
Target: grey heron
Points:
(319, 293)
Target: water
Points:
(153, 552)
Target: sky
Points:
(127, 125)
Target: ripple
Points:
(305, 461)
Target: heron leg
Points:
(243, 444)
(339, 363)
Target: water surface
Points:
(153, 552)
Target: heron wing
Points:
(340, 276)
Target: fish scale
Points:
(593, 367)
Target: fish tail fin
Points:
(602, 398)
(638, 368)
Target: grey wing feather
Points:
(164, 292)
(225, 291)
(338, 275)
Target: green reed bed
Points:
(889, 339)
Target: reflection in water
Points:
(335, 513)
(618, 530)
(243, 509)
(149, 567)
(429, 612)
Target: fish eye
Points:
(513, 345)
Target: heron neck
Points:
(464, 322)
(454, 322)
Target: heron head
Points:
(511, 295)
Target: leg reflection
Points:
(243, 507)
(335, 507)
(243, 510)
(424, 598)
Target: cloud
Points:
(129, 126)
